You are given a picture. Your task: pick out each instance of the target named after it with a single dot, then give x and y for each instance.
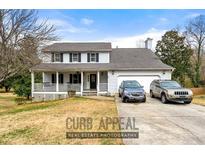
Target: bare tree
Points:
(21, 35)
(195, 35)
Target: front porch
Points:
(59, 83)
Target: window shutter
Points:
(71, 78)
(61, 78)
(88, 57)
(79, 78)
(61, 57)
(71, 57)
(53, 78)
(97, 57)
(52, 57)
(79, 57)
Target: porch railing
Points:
(51, 87)
(103, 86)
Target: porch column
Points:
(98, 82)
(57, 84)
(32, 83)
(81, 87)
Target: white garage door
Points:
(143, 80)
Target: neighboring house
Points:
(94, 68)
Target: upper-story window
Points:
(57, 57)
(75, 57)
(93, 57)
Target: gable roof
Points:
(120, 59)
(136, 58)
(78, 47)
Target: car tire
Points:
(151, 94)
(124, 100)
(188, 102)
(163, 99)
(144, 100)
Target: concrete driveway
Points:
(165, 123)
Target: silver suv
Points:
(169, 90)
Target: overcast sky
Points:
(124, 28)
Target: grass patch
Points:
(29, 107)
(26, 132)
(199, 99)
(50, 120)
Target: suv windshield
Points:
(132, 84)
(170, 84)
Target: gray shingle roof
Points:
(78, 47)
(120, 59)
(136, 58)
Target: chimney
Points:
(148, 43)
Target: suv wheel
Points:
(144, 100)
(188, 102)
(151, 94)
(163, 98)
(124, 100)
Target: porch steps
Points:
(89, 93)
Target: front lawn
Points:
(45, 122)
(199, 99)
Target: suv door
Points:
(157, 89)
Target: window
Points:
(75, 78)
(60, 78)
(75, 57)
(93, 57)
(57, 57)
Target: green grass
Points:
(29, 107)
(26, 132)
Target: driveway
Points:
(165, 123)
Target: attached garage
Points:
(144, 80)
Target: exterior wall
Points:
(83, 57)
(47, 77)
(66, 58)
(46, 57)
(113, 77)
(104, 57)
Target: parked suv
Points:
(131, 90)
(169, 90)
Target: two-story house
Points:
(94, 68)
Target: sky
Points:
(123, 28)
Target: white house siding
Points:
(83, 57)
(144, 77)
(104, 57)
(47, 77)
(66, 57)
(46, 57)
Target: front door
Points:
(92, 81)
